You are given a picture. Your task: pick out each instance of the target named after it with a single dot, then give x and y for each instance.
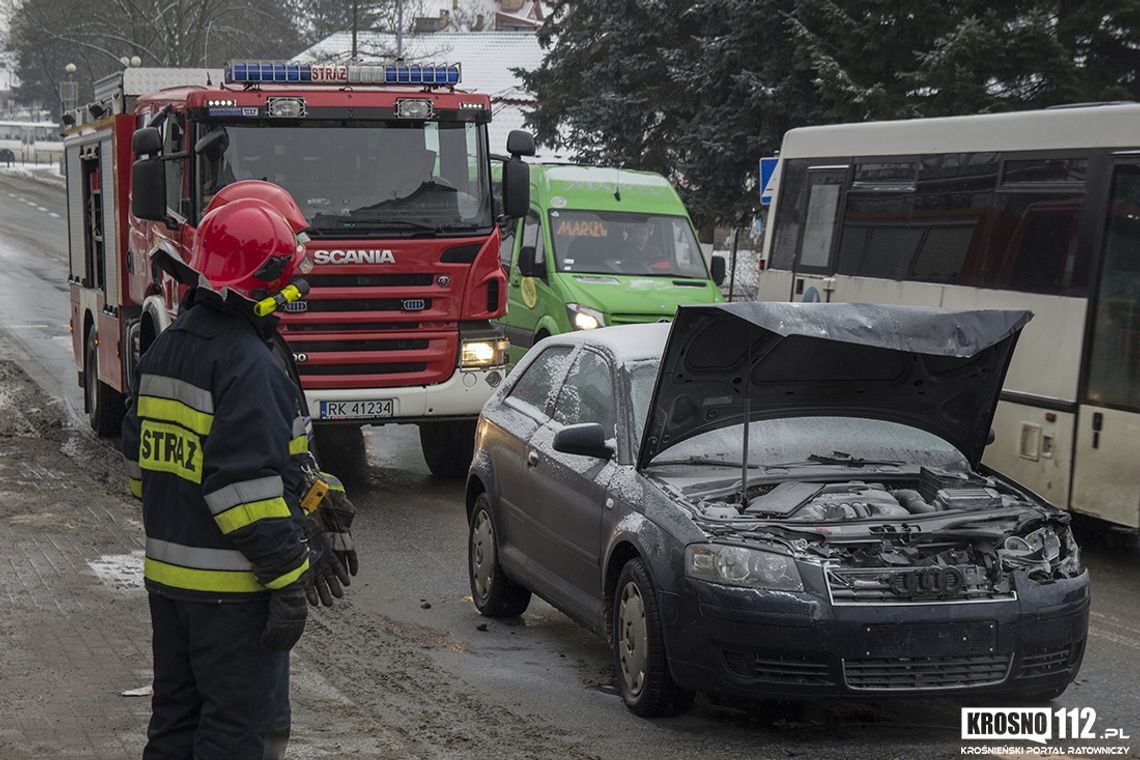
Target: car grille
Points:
(914, 673)
(370, 304)
(791, 670)
(638, 319)
(872, 585)
(1049, 662)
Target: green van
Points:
(600, 246)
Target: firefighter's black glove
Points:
(337, 514)
(287, 613)
(329, 575)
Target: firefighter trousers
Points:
(217, 694)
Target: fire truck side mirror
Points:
(516, 188)
(146, 141)
(520, 143)
(148, 189)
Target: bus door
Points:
(814, 276)
(1106, 480)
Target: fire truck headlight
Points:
(484, 353)
(285, 108)
(414, 108)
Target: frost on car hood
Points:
(939, 370)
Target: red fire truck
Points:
(390, 165)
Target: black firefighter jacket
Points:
(214, 442)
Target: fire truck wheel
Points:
(105, 405)
(448, 447)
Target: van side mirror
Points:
(528, 267)
(148, 189)
(146, 141)
(719, 269)
(587, 440)
(516, 187)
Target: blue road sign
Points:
(767, 171)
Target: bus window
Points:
(1032, 245)
(1114, 370)
(789, 211)
(819, 221)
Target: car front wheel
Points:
(495, 595)
(639, 648)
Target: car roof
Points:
(626, 343)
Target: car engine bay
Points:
(986, 533)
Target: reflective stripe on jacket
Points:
(210, 440)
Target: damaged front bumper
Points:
(765, 644)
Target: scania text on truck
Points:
(389, 164)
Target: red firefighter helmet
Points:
(274, 195)
(246, 245)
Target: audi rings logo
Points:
(928, 581)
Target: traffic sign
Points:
(767, 171)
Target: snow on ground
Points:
(747, 281)
(48, 174)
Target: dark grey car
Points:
(846, 541)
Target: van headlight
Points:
(484, 352)
(584, 318)
(741, 566)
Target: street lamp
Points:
(68, 90)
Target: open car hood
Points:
(939, 370)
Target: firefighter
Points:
(210, 439)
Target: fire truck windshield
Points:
(360, 178)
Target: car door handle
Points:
(532, 459)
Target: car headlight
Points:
(741, 566)
(584, 318)
(484, 353)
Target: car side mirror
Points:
(148, 189)
(146, 141)
(719, 269)
(520, 143)
(587, 439)
(528, 267)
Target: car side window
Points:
(538, 384)
(588, 394)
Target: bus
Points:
(1037, 210)
(30, 141)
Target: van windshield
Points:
(622, 242)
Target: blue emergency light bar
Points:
(337, 74)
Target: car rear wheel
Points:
(105, 405)
(448, 446)
(639, 647)
(495, 595)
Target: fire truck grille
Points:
(361, 369)
(350, 326)
(368, 280)
(369, 304)
(317, 346)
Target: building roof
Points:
(486, 57)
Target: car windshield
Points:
(798, 440)
(621, 242)
(360, 177)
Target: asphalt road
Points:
(412, 537)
